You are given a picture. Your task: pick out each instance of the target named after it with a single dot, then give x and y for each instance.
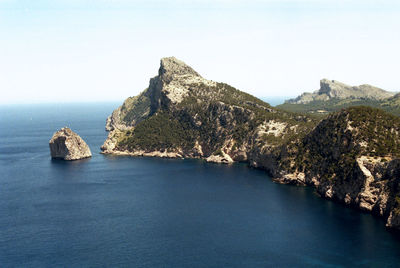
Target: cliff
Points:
(351, 156)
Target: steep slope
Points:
(391, 105)
(182, 114)
(353, 157)
(334, 95)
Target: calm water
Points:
(141, 212)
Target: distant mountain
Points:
(351, 156)
(334, 95)
(331, 89)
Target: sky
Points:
(107, 50)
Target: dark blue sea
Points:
(111, 211)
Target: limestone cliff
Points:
(67, 145)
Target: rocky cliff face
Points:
(173, 83)
(67, 145)
(351, 156)
(371, 185)
(331, 89)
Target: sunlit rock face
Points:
(67, 145)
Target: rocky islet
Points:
(67, 145)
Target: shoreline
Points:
(297, 180)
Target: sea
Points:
(116, 211)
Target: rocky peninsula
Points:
(351, 156)
(67, 145)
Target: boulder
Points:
(67, 145)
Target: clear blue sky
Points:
(102, 50)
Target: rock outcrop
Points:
(173, 83)
(67, 145)
(332, 89)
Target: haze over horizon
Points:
(107, 50)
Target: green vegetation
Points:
(218, 152)
(332, 148)
(391, 105)
(136, 108)
(378, 129)
(159, 132)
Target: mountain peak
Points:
(332, 89)
(326, 85)
(173, 66)
(335, 89)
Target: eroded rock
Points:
(67, 145)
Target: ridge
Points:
(333, 89)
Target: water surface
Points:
(112, 211)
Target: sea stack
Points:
(67, 145)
